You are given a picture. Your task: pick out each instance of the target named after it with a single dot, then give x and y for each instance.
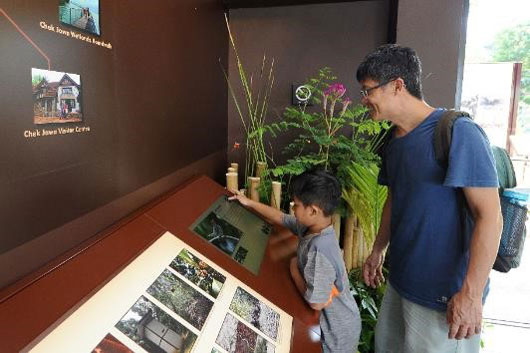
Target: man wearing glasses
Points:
(438, 272)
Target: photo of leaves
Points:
(181, 298)
(236, 337)
(255, 312)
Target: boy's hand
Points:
(239, 196)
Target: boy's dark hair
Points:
(390, 62)
(318, 188)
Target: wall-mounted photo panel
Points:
(57, 97)
(152, 307)
(234, 230)
(110, 344)
(198, 272)
(154, 330)
(82, 14)
(237, 337)
(255, 312)
(181, 298)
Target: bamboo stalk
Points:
(335, 220)
(254, 185)
(276, 194)
(348, 240)
(260, 169)
(235, 166)
(232, 170)
(355, 245)
(231, 182)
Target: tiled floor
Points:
(507, 310)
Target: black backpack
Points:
(514, 215)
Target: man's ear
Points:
(399, 85)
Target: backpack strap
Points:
(443, 134)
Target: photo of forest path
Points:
(198, 272)
(154, 330)
(255, 312)
(219, 232)
(181, 298)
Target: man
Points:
(438, 271)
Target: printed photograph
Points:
(236, 337)
(215, 350)
(241, 255)
(154, 330)
(219, 232)
(198, 272)
(56, 97)
(181, 298)
(82, 14)
(253, 311)
(110, 344)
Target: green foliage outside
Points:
(513, 44)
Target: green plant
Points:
(369, 301)
(253, 110)
(331, 136)
(366, 197)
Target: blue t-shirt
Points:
(428, 252)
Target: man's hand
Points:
(373, 269)
(238, 195)
(464, 316)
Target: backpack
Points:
(513, 214)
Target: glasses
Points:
(366, 92)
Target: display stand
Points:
(41, 308)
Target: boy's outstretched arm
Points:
(272, 214)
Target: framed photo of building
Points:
(57, 97)
(172, 299)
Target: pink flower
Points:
(335, 90)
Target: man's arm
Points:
(272, 214)
(464, 311)
(373, 266)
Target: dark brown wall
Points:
(437, 31)
(303, 39)
(146, 102)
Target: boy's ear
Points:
(315, 210)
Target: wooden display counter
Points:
(31, 308)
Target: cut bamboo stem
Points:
(235, 166)
(254, 185)
(232, 170)
(335, 220)
(276, 194)
(348, 241)
(231, 182)
(260, 169)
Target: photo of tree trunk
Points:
(255, 312)
(181, 298)
(198, 272)
(236, 337)
(154, 330)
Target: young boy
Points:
(318, 269)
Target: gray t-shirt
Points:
(320, 263)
